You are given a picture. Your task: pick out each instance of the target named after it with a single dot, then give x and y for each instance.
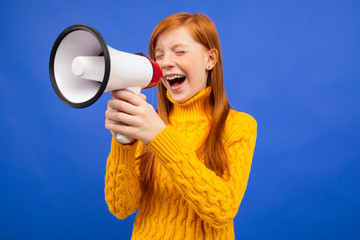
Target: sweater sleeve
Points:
(215, 199)
(122, 181)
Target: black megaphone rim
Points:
(106, 54)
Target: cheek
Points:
(192, 66)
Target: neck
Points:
(193, 108)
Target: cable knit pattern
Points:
(189, 200)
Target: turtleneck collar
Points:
(192, 108)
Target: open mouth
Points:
(175, 80)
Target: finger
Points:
(119, 128)
(117, 93)
(129, 96)
(122, 106)
(109, 108)
(111, 124)
(143, 96)
(114, 93)
(120, 117)
(109, 121)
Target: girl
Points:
(187, 168)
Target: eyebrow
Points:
(175, 46)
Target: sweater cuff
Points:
(166, 144)
(123, 153)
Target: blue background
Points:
(293, 65)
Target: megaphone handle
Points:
(121, 138)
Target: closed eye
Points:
(179, 53)
(158, 57)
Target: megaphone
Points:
(82, 67)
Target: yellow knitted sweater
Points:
(189, 200)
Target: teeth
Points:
(173, 77)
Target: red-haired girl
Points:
(187, 168)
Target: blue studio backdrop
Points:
(293, 65)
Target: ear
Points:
(211, 58)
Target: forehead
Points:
(176, 36)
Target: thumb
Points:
(143, 96)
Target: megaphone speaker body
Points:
(82, 67)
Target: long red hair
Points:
(203, 31)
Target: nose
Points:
(167, 61)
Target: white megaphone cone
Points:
(82, 67)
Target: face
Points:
(184, 62)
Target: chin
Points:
(179, 98)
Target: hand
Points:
(129, 113)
